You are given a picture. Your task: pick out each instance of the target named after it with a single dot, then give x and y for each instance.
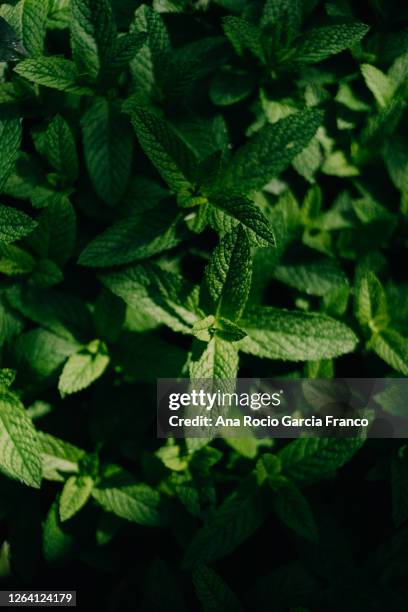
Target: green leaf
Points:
(125, 49)
(59, 15)
(55, 235)
(46, 274)
(153, 59)
(294, 335)
(93, 35)
(60, 149)
(82, 369)
(15, 261)
(159, 41)
(34, 24)
(384, 123)
(14, 224)
(310, 459)
(129, 500)
(10, 138)
(228, 276)
(271, 150)
(392, 348)
(238, 517)
(396, 160)
(58, 457)
(54, 72)
(336, 164)
(308, 161)
(57, 311)
(294, 510)
(370, 301)
(268, 469)
(75, 494)
(164, 295)
(315, 278)
(11, 323)
(41, 352)
(285, 14)
(173, 159)
(247, 447)
(244, 36)
(378, 83)
(11, 46)
(135, 238)
(213, 592)
(57, 544)
(230, 86)
(233, 208)
(20, 450)
(227, 330)
(218, 360)
(108, 143)
(321, 43)
(7, 377)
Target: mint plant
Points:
(206, 189)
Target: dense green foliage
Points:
(209, 189)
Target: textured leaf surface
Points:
(15, 261)
(133, 239)
(93, 34)
(153, 59)
(54, 72)
(41, 352)
(58, 457)
(236, 208)
(132, 501)
(108, 143)
(60, 148)
(34, 22)
(10, 138)
(81, 370)
(219, 360)
(125, 49)
(20, 450)
(370, 301)
(75, 494)
(228, 275)
(173, 159)
(270, 151)
(379, 84)
(14, 224)
(308, 459)
(11, 47)
(316, 278)
(288, 12)
(294, 335)
(392, 348)
(322, 42)
(166, 296)
(244, 36)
